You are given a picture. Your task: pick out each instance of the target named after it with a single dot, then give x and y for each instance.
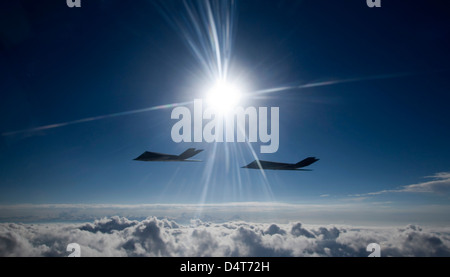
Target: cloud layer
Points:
(119, 236)
(338, 212)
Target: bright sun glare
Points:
(223, 97)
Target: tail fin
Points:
(189, 153)
(306, 162)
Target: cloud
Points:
(297, 231)
(119, 236)
(105, 225)
(274, 229)
(440, 184)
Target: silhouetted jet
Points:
(158, 157)
(257, 164)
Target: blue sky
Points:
(387, 129)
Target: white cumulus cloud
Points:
(119, 236)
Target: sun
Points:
(223, 97)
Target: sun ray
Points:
(330, 83)
(94, 118)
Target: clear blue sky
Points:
(59, 65)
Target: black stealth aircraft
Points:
(159, 157)
(258, 164)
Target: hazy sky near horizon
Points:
(373, 107)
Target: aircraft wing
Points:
(191, 152)
(258, 164)
(160, 157)
(306, 162)
(275, 165)
(152, 156)
(195, 161)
